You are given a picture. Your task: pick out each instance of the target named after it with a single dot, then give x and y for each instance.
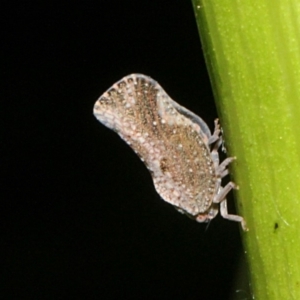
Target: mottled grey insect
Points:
(175, 144)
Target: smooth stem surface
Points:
(252, 50)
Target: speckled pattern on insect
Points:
(175, 144)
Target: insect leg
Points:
(223, 191)
(236, 218)
(216, 135)
(221, 169)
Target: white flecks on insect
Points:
(175, 144)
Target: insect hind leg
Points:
(216, 135)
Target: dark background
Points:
(80, 218)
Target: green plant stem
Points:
(252, 50)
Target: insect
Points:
(176, 146)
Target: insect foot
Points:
(176, 146)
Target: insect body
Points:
(175, 144)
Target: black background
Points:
(80, 218)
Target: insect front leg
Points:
(221, 198)
(236, 218)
